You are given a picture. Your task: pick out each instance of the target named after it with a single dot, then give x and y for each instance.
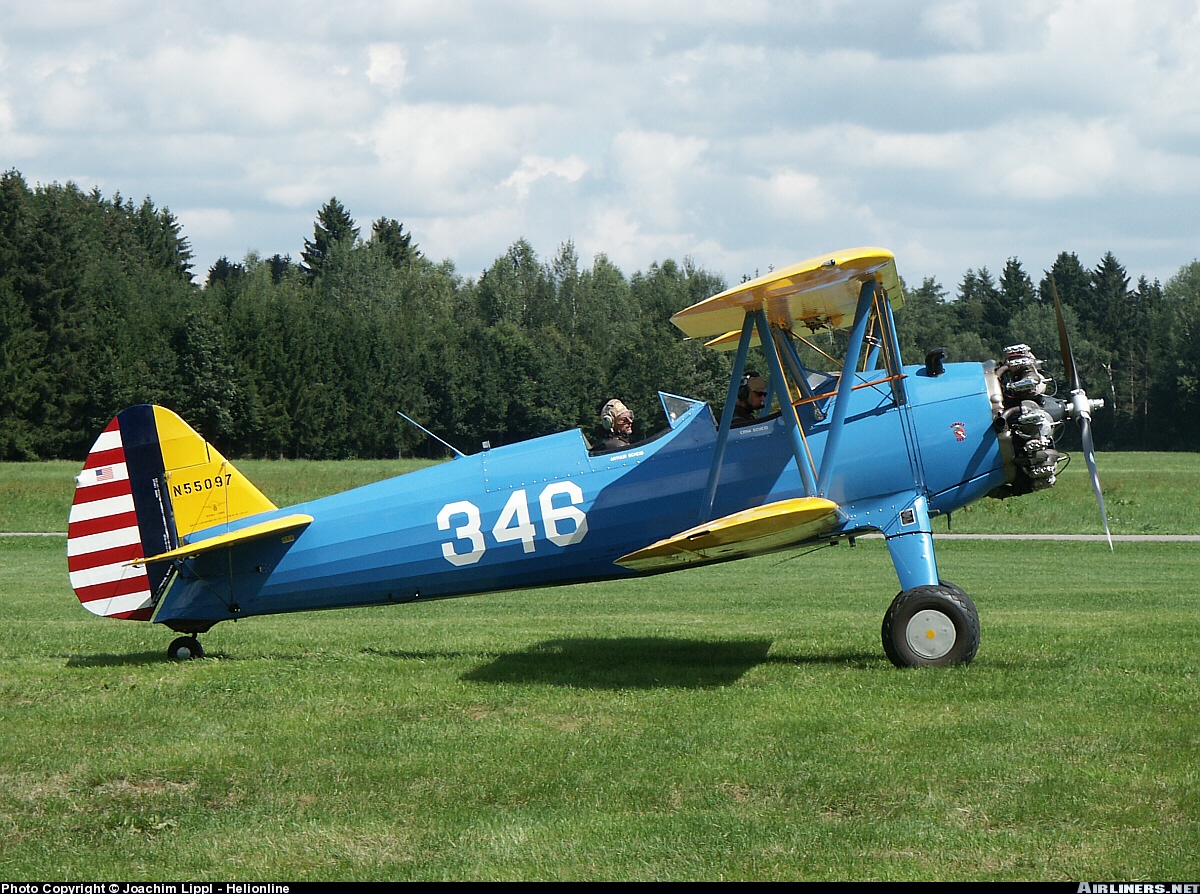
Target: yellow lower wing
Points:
(750, 532)
(251, 532)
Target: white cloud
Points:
(957, 24)
(209, 224)
(242, 82)
(1049, 160)
(387, 65)
(443, 156)
(656, 172)
(538, 167)
(624, 238)
(81, 15)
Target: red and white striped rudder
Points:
(103, 536)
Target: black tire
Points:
(931, 626)
(953, 588)
(185, 648)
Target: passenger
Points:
(616, 427)
(750, 398)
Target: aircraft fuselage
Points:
(545, 512)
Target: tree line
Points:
(272, 357)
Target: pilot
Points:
(616, 425)
(750, 397)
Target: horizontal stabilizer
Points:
(222, 541)
(761, 529)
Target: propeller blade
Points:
(1080, 407)
(1089, 454)
(1064, 342)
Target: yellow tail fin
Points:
(204, 487)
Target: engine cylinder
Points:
(1028, 419)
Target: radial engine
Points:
(1029, 420)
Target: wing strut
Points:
(837, 424)
(795, 432)
(758, 319)
(714, 471)
(795, 365)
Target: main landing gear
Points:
(931, 626)
(184, 648)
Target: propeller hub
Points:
(1081, 406)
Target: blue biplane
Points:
(165, 529)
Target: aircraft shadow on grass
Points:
(626, 663)
(639, 663)
(108, 659)
(589, 663)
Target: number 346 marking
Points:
(514, 523)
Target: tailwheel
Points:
(931, 626)
(185, 648)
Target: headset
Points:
(744, 389)
(608, 419)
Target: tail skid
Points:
(148, 481)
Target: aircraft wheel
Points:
(185, 648)
(953, 588)
(931, 626)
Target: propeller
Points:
(1080, 407)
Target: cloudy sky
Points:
(743, 135)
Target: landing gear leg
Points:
(185, 648)
(931, 626)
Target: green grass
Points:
(732, 722)
(1144, 493)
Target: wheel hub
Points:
(930, 633)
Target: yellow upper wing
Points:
(820, 292)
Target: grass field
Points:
(732, 722)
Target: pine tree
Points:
(978, 301)
(1073, 282)
(388, 236)
(161, 238)
(1016, 292)
(334, 230)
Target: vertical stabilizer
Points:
(148, 481)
